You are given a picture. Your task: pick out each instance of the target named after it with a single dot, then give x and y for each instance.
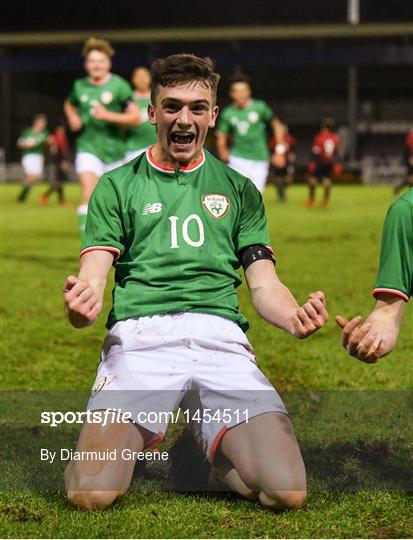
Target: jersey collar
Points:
(105, 81)
(170, 170)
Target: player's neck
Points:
(244, 104)
(160, 158)
(143, 94)
(102, 81)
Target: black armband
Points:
(254, 253)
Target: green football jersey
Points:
(176, 235)
(105, 140)
(396, 260)
(248, 128)
(37, 138)
(144, 135)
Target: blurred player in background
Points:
(98, 109)
(60, 158)
(141, 136)
(33, 144)
(377, 336)
(247, 122)
(282, 176)
(408, 179)
(177, 237)
(323, 163)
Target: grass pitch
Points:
(353, 420)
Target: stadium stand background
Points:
(303, 57)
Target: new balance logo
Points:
(152, 208)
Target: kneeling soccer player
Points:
(177, 223)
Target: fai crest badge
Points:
(216, 205)
(97, 387)
(253, 117)
(106, 97)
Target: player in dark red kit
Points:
(281, 176)
(323, 163)
(60, 156)
(408, 179)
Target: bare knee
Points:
(91, 500)
(84, 493)
(282, 500)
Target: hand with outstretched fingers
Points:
(364, 341)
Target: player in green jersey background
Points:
(141, 136)
(32, 143)
(98, 109)
(249, 123)
(177, 223)
(377, 336)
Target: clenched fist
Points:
(82, 303)
(311, 316)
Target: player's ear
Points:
(213, 117)
(152, 114)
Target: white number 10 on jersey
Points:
(185, 235)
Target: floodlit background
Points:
(308, 59)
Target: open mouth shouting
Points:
(182, 141)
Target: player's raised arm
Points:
(72, 116)
(222, 146)
(274, 302)
(130, 117)
(83, 294)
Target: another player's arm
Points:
(378, 335)
(72, 116)
(278, 157)
(274, 302)
(83, 294)
(133, 106)
(24, 144)
(130, 117)
(222, 146)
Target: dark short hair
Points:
(239, 77)
(183, 68)
(39, 116)
(328, 123)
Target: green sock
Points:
(23, 194)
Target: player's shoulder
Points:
(81, 82)
(227, 110)
(260, 104)
(405, 201)
(119, 81)
(401, 210)
(117, 78)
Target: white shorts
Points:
(150, 364)
(33, 164)
(256, 171)
(86, 162)
(133, 154)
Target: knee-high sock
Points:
(24, 193)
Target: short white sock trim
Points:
(82, 210)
